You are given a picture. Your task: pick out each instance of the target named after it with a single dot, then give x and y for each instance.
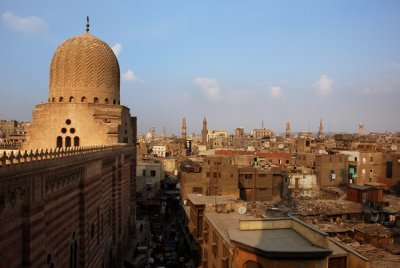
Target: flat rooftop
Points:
(277, 243)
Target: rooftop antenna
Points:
(87, 24)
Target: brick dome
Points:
(84, 69)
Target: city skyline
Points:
(236, 63)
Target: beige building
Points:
(83, 107)
(227, 236)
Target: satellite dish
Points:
(320, 152)
(393, 147)
(242, 210)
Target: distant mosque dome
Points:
(84, 69)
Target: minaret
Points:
(262, 124)
(321, 130)
(288, 130)
(361, 132)
(163, 134)
(184, 128)
(204, 131)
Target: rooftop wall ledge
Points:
(25, 160)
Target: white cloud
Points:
(129, 76)
(210, 88)
(26, 25)
(117, 48)
(275, 91)
(323, 86)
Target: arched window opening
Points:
(71, 99)
(106, 101)
(68, 121)
(96, 100)
(114, 102)
(61, 99)
(59, 142)
(68, 141)
(76, 141)
(83, 99)
(53, 99)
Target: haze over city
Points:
(237, 62)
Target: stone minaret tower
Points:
(184, 128)
(321, 130)
(204, 131)
(288, 130)
(361, 132)
(163, 134)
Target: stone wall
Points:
(66, 207)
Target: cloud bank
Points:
(323, 86)
(117, 48)
(26, 25)
(210, 88)
(129, 76)
(276, 92)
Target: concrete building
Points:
(227, 236)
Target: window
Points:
(63, 130)
(72, 130)
(363, 171)
(113, 101)
(144, 173)
(364, 160)
(68, 141)
(248, 176)
(106, 101)
(68, 121)
(152, 173)
(83, 99)
(53, 99)
(96, 100)
(61, 99)
(207, 174)
(371, 159)
(76, 141)
(59, 142)
(71, 99)
(92, 231)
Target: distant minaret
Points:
(321, 130)
(361, 132)
(184, 128)
(163, 134)
(262, 124)
(204, 131)
(288, 130)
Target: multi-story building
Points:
(228, 236)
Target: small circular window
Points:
(63, 130)
(72, 130)
(68, 122)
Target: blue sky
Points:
(237, 62)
